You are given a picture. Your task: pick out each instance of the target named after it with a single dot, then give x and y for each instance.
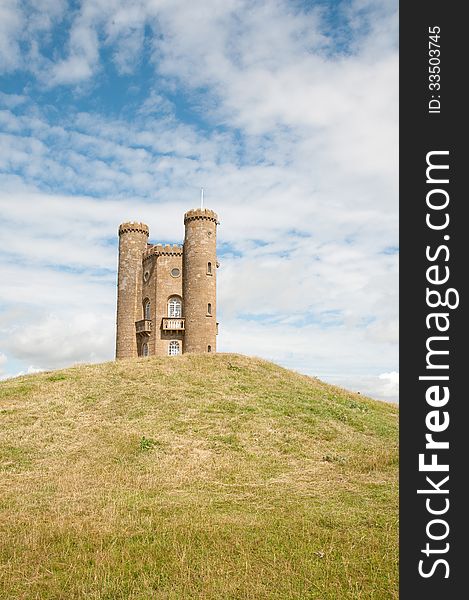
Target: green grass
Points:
(195, 477)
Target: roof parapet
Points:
(160, 250)
(133, 227)
(201, 213)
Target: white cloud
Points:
(298, 154)
(391, 384)
(32, 369)
(52, 342)
(383, 387)
(10, 27)
(12, 100)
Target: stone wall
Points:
(132, 243)
(166, 285)
(199, 280)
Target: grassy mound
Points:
(195, 477)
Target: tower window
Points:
(173, 348)
(146, 309)
(209, 309)
(145, 351)
(209, 268)
(175, 307)
(209, 348)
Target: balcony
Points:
(172, 324)
(143, 327)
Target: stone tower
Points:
(199, 266)
(166, 298)
(133, 239)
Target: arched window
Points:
(174, 307)
(146, 309)
(209, 348)
(209, 268)
(145, 349)
(209, 309)
(173, 348)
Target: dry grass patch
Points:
(195, 477)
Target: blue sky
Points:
(286, 114)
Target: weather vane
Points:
(201, 197)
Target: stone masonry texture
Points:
(154, 275)
(199, 285)
(132, 242)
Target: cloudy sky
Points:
(284, 111)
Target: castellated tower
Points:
(133, 239)
(166, 298)
(199, 280)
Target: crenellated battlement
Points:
(200, 213)
(163, 250)
(133, 227)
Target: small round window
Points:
(146, 276)
(175, 272)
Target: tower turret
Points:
(133, 239)
(199, 280)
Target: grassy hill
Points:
(195, 477)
